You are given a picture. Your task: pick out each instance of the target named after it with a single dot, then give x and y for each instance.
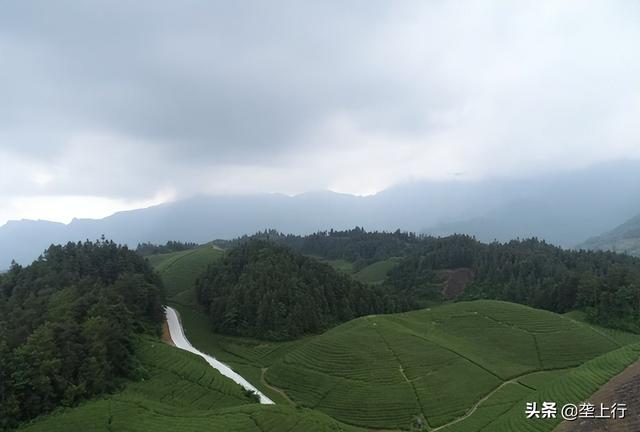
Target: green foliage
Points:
(247, 356)
(181, 393)
(574, 386)
(530, 272)
(67, 323)
(604, 284)
(179, 270)
(495, 406)
(385, 371)
(356, 246)
(449, 353)
(171, 246)
(340, 265)
(142, 416)
(377, 272)
(263, 290)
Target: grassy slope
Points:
(248, 357)
(179, 270)
(340, 265)
(619, 336)
(388, 371)
(376, 273)
(182, 393)
(382, 371)
(572, 387)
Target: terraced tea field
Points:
(574, 386)
(182, 393)
(460, 367)
(434, 366)
(248, 357)
(179, 270)
(624, 388)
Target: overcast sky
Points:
(121, 104)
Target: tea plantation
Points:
(433, 366)
(179, 270)
(182, 393)
(460, 367)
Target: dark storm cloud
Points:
(201, 80)
(131, 100)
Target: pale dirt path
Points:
(477, 404)
(180, 340)
(275, 389)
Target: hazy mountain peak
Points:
(564, 209)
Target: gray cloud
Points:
(123, 100)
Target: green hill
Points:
(382, 371)
(181, 393)
(179, 270)
(470, 363)
(503, 410)
(264, 290)
(623, 239)
(432, 270)
(339, 265)
(485, 358)
(68, 324)
(376, 273)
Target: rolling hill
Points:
(623, 239)
(376, 273)
(382, 371)
(261, 289)
(179, 270)
(181, 393)
(485, 358)
(457, 367)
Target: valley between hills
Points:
(441, 364)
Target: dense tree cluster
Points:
(604, 284)
(171, 246)
(356, 245)
(68, 323)
(264, 290)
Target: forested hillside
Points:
(604, 284)
(68, 324)
(171, 246)
(264, 290)
(356, 245)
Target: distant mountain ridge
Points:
(563, 208)
(623, 239)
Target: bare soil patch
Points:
(166, 336)
(623, 388)
(455, 281)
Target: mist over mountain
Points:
(562, 208)
(622, 239)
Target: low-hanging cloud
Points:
(133, 100)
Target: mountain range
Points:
(623, 239)
(563, 208)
